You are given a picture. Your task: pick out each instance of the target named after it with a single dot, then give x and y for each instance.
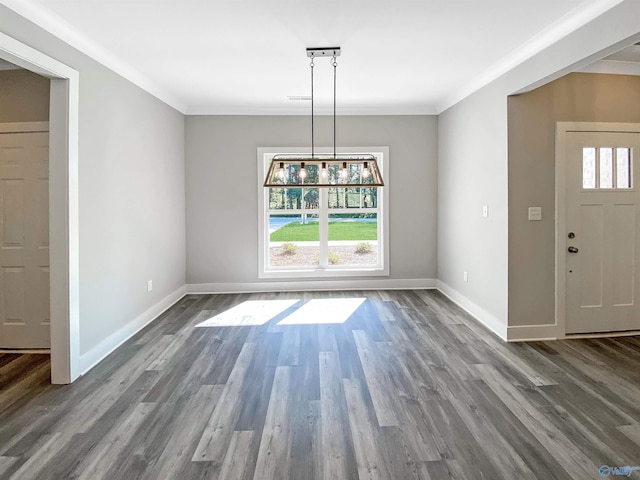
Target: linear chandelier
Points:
(330, 170)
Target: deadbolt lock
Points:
(571, 235)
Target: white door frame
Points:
(562, 129)
(63, 204)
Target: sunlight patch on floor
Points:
(323, 311)
(249, 313)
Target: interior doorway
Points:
(63, 203)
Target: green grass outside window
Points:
(296, 232)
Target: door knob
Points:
(572, 249)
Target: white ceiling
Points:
(247, 57)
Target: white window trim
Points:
(383, 221)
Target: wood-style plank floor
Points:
(408, 387)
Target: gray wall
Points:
(24, 96)
(472, 172)
(222, 193)
(131, 182)
(472, 162)
(578, 97)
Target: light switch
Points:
(535, 213)
(485, 211)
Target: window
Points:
(606, 168)
(322, 232)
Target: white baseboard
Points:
(32, 351)
(314, 285)
(94, 356)
(489, 320)
(540, 333)
(626, 333)
(533, 333)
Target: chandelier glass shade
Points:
(337, 170)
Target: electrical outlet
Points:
(149, 285)
(466, 277)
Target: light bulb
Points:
(281, 171)
(323, 172)
(344, 170)
(303, 172)
(365, 170)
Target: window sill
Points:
(318, 273)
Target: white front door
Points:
(24, 240)
(603, 232)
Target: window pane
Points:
(352, 198)
(334, 173)
(370, 197)
(336, 197)
(277, 198)
(623, 168)
(353, 239)
(368, 178)
(293, 198)
(290, 174)
(606, 167)
(311, 198)
(295, 176)
(589, 167)
(354, 173)
(312, 173)
(294, 240)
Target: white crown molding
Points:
(569, 23)
(305, 110)
(69, 34)
(58, 27)
(612, 67)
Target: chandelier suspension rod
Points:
(312, 130)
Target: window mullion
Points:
(380, 233)
(323, 217)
